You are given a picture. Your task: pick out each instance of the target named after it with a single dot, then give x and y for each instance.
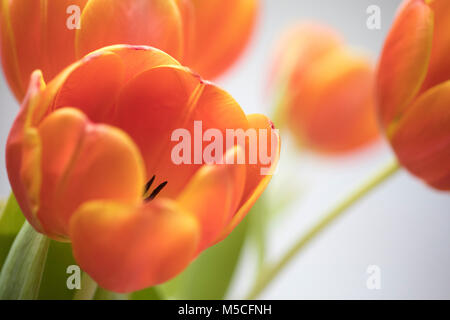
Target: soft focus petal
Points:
(164, 99)
(128, 248)
(80, 162)
(334, 111)
(222, 30)
(439, 68)
(213, 195)
(421, 139)
(404, 60)
(299, 48)
(32, 41)
(139, 22)
(258, 174)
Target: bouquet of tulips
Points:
(135, 176)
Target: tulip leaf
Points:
(11, 220)
(259, 217)
(103, 294)
(21, 273)
(210, 275)
(56, 273)
(152, 293)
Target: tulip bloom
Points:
(327, 98)
(89, 158)
(206, 35)
(413, 88)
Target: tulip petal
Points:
(83, 90)
(137, 59)
(127, 248)
(35, 41)
(57, 40)
(258, 174)
(81, 162)
(222, 30)
(421, 138)
(22, 170)
(439, 68)
(213, 195)
(404, 60)
(138, 22)
(162, 101)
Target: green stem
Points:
(22, 272)
(88, 288)
(271, 272)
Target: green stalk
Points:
(88, 288)
(273, 271)
(22, 271)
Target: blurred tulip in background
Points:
(325, 90)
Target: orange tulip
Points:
(207, 35)
(90, 160)
(327, 98)
(413, 88)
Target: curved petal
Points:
(138, 22)
(137, 59)
(421, 138)
(127, 248)
(23, 175)
(404, 60)
(213, 195)
(160, 103)
(439, 68)
(81, 162)
(258, 174)
(222, 30)
(334, 112)
(57, 39)
(83, 90)
(40, 43)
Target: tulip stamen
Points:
(149, 184)
(156, 191)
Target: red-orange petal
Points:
(404, 60)
(22, 173)
(127, 248)
(213, 195)
(439, 68)
(81, 162)
(82, 88)
(421, 139)
(222, 31)
(31, 40)
(258, 174)
(138, 22)
(159, 101)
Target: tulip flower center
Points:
(155, 192)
